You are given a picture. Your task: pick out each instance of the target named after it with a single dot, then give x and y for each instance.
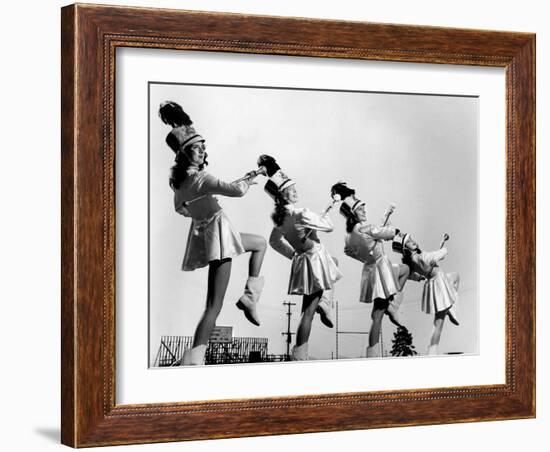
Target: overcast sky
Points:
(419, 151)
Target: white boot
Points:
(432, 350)
(393, 309)
(194, 356)
(451, 312)
(324, 308)
(299, 353)
(247, 303)
(374, 351)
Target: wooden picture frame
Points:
(90, 36)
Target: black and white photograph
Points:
(275, 225)
(291, 224)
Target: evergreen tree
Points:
(402, 343)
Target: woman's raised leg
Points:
(257, 245)
(403, 275)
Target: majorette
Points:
(313, 271)
(440, 294)
(212, 239)
(381, 281)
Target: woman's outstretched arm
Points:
(311, 220)
(213, 186)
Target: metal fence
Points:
(238, 350)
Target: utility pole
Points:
(288, 334)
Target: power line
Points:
(406, 302)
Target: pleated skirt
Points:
(312, 271)
(440, 292)
(379, 280)
(211, 240)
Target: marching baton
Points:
(254, 173)
(390, 210)
(324, 213)
(445, 238)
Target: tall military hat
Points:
(277, 180)
(350, 203)
(186, 136)
(399, 241)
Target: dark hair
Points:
(173, 142)
(172, 114)
(279, 214)
(351, 222)
(178, 172)
(342, 189)
(407, 257)
(349, 215)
